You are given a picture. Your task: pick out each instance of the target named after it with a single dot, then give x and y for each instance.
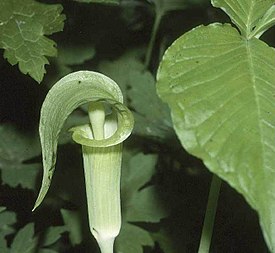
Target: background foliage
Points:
(164, 190)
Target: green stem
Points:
(152, 39)
(210, 214)
(107, 246)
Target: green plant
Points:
(218, 83)
(101, 146)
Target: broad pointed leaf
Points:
(244, 13)
(220, 88)
(23, 26)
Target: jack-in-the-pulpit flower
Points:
(101, 139)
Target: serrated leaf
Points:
(115, 2)
(244, 13)
(23, 26)
(15, 148)
(132, 239)
(220, 89)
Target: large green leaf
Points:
(23, 26)
(244, 13)
(220, 88)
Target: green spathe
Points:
(101, 144)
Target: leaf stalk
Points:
(210, 214)
(155, 28)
